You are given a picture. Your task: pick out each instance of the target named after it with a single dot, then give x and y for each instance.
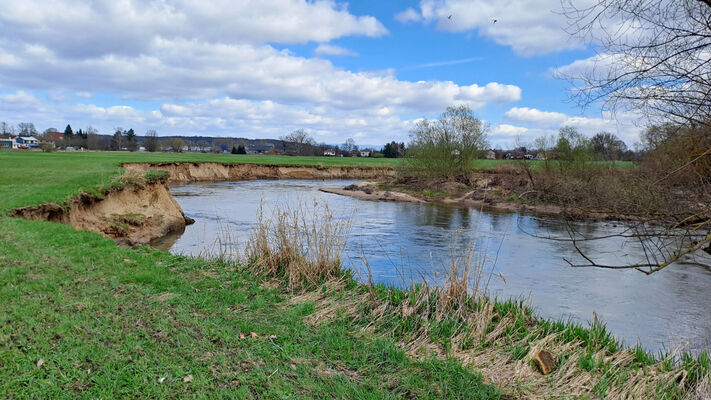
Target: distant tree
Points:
(27, 129)
(203, 145)
(241, 149)
(447, 148)
(176, 145)
(393, 150)
(349, 147)
(607, 146)
(93, 140)
(301, 141)
(117, 140)
(131, 140)
(234, 150)
(151, 141)
(6, 129)
(68, 132)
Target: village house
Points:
(491, 155)
(9, 144)
(29, 141)
(329, 153)
(365, 153)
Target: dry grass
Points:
(302, 245)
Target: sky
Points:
(367, 70)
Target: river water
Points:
(410, 242)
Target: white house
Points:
(365, 153)
(329, 153)
(28, 141)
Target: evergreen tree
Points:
(68, 132)
(241, 150)
(234, 150)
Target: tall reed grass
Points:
(302, 244)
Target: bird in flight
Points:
(450, 16)
(495, 20)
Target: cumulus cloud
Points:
(532, 115)
(332, 50)
(529, 27)
(409, 15)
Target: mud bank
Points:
(211, 172)
(132, 215)
(367, 190)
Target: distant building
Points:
(9, 144)
(491, 155)
(365, 153)
(28, 141)
(329, 153)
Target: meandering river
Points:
(411, 242)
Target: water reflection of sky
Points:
(406, 242)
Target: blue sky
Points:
(365, 69)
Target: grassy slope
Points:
(80, 317)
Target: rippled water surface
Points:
(404, 242)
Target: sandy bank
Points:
(212, 172)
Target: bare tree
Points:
(6, 129)
(301, 141)
(27, 129)
(653, 57)
(151, 141)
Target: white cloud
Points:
(537, 122)
(532, 115)
(332, 50)
(509, 130)
(529, 27)
(409, 15)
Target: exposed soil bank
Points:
(132, 215)
(212, 172)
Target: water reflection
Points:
(404, 242)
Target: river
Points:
(410, 242)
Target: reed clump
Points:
(301, 244)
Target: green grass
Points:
(109, 322)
